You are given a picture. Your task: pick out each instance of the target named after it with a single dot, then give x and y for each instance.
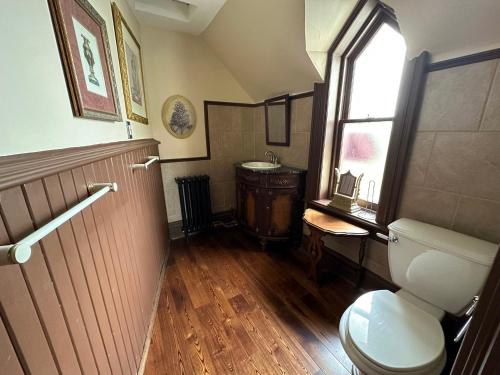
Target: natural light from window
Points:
(377, 74)
(375, 85)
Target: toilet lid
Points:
(394, 333)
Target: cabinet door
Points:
(247, 207)
(281, 206)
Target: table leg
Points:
(315, 250)
(361, 257)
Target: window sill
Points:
(363, 222)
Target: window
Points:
(371, 71)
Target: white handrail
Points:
(20, 252)
(151, 160)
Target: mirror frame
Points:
(269, 102)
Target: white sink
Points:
(260, 165)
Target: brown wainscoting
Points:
(83, 302)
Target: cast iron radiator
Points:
(196, 206)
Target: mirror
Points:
(278, 121)
(346, 191)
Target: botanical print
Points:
(90, 59)
(134, 75)
(179, 116)
(180, 122)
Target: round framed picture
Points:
(178, 116)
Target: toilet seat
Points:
(377, 330)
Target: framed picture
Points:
(129, 54)
(179, 116)
(85, 54)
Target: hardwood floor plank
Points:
(226, 307)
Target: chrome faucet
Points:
(272, 157)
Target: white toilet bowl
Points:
(384, 334)
(439, 271)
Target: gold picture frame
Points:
(130, 59)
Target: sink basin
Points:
(260, 165)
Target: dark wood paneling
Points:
(83, 302)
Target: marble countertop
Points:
(282, 169)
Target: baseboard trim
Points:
(175, 227)
(149, 336)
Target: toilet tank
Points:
(440, 266)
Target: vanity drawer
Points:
(250, 177)
(283, 181)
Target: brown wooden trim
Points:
(232, 104)
(164, 161)
(378, 16)
(464, 60)
(258, 104)
(480, 348)
(302, 95)
(206, 103)
(268, 102)
(316, 144)
(373, 228)
(341, 35)
(403, 133)
(21, 168)
(149, 336)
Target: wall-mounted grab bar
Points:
(20, 252)
(151, 160)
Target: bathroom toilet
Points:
(438, 271)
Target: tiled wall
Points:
(453, 178)
(454, 173)
(300, 129)
(236, 134)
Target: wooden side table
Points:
(321, 224)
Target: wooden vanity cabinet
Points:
(270, 203)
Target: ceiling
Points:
(187, 16)
(263, 44)
(448, 28)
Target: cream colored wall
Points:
(262, 43)
(35, 106)
(176, 63)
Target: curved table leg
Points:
(362, 248)
(315, 250)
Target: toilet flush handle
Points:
(469, 312)
(392, 239)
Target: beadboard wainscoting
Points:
(84, 301)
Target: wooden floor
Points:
(228, 308)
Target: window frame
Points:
(380, 16)
(327, 101)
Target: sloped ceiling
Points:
(262, 43)
(448, 28)
(187, 16)
(323, 21)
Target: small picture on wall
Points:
(85, 55)
(179, 116)
(129, 54)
